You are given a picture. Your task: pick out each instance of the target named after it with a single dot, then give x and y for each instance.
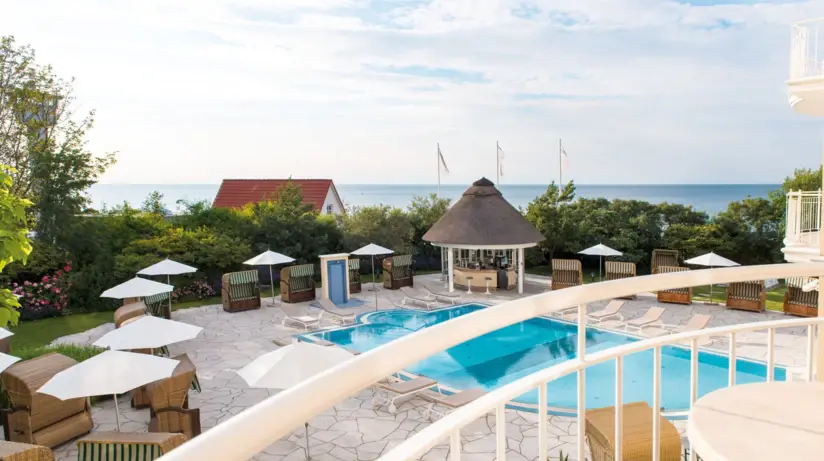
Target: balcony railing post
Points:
(582, 344)
(542, 422)
(619, 409)
(500, 431)
(455, 446)
(656, 404)
(732, 360)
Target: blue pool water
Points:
(505, 355)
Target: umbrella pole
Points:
(373, 283)
(600, 262)
(272, 282)
(116, 412)
(169, 282)
(306, 427)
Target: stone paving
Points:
(353, 430)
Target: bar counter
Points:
(479, 278)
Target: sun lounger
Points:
(651, 315)
(696, 322)
(338, 315)
(453, 298)
(292, 315)
(610, 311)
(418, 298)
(451, 402)
(389, 392)
(652, 332)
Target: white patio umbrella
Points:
(148, 333)
(373, 250)
(110, 373)
(168, 268)
(5, 333)
(270, 258)
(290, 366)
(600, 250)
(6, 361)
(711, 260)
(137, 288)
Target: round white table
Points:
(764, 421)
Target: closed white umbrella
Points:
(290, 366)
(270, 258)
(110, 373)
(711, 260)
(148, 333)
(137, 288)
(168, 268)
(373, 250)
(6, 361)
(600, 250)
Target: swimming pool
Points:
(505, 355)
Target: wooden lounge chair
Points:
(292, 315)
(338, 315)
(418, 298)
(240, 291)
(800, 302)
(390, 391)
(611, 310)
(637, 432)
(451, 401)
(158, 305)
(297, 283)
(128, 312)
(16, 451)
(747, 296)
(41, 419)
(617, 270)
(675, 295)
(653, 314)
(452, 298)
(354, 276)
(566, 273)
(124, 446)
(397, 272)
(663, 258)
(169, 399)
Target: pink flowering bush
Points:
(198, 289)
(45, 297)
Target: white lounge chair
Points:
(417, 298)
(338, 315)
(390, 391)
(696, 322)
(453, 298)
(612, 310)
(651, 315)
(292, 315)
(451, 402)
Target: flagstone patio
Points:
(353, 430)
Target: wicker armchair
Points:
(661, 258)
(637, 432)
(617, 270)
(397, 272)
(15, 451)
(240, 291)
(800, 302)
(169, 399)
(158, 305)
(41, 419)
(354, 276)
(125, 446)
(747, 296)
(566, 273)
(675, 295)
(128, 312)
(297, 283)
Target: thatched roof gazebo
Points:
(487, 236)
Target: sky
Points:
(362, 91)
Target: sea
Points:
(711, 198)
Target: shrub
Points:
(46, 297)
(198, 289)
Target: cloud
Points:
(641, 91)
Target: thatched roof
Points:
(482, 217)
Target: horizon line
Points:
(464, 184)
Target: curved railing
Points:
(250, 432)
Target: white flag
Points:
(442, 161)
(500, 160)
(564, 161)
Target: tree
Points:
(14, 242)
(386, 226)
(154, 204)
(552, 215)
(423, 213)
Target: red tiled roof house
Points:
(320, 193)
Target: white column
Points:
(520, 271)
(450, 257)
(819, 359)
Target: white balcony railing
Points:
(251, 431)
(807, 49)
(803, 218)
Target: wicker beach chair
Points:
(123, 446)
(297, 283)
(354, 276)
(617, 270)
(169, 399)
(127, 312)
(15, 451)
(675, 295)
(566, 273)
(662, 258)
(637, 432)
(240, 291)
(158, 305)
(799, 302)
(747, 296)
(41, 419)
(397, 272)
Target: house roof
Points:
(482, 217)
(235, 193)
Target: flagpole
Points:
(497, 164)
(560, 167)
(438, 160)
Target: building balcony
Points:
(801, 243)
(806, 82)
